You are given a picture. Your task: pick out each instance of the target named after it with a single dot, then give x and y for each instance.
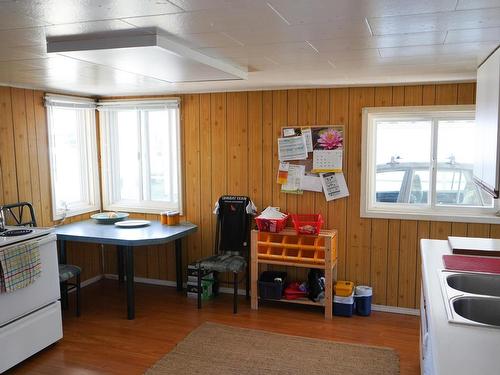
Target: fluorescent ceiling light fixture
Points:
(148, 52)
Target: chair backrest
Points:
(233, 225)
(19, 214)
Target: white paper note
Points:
(292, 148)
(307, 133)
(311, 183)
(334, 185)
(282, 172)
(295, 176)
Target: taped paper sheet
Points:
(295, 176)
(311, 183)
(292, 148)
(334, 185)
(306, 132)
(282, 177)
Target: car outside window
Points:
(418, 162)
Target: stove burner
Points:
(16, 232)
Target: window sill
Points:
(138, 209)
(75, 212)
(486, 218)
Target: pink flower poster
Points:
(328, 148)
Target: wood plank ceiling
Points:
(283, 43)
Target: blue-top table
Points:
(126, 239)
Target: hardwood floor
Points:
(102, 341)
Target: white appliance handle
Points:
(43, 240)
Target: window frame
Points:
(110, 184)
(371, 209)
(88, 152)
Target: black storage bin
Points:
(268, 287)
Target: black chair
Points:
(66, 273)
(23, 214)
(231, 248)
(16, 215)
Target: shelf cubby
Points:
(287, 248)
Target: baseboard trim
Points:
(92, 280)
(88, 282)
(396, 310)
(144, 280)
(242, 292)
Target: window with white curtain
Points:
(140, 145)
(73, 155)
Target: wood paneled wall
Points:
(24, 166)
(229, 147)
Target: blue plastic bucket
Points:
(363, 298)
(343, 306)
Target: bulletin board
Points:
(311, 160)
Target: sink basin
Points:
(483, 284)
(471, 298)
(477, 309)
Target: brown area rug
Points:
(219, 349)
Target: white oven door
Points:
(42, 292)
(26, 336)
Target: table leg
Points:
(129, 261)
(120, 263)
(178, 263)
(62, 252)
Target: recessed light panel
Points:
(146, 52)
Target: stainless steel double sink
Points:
(471, 298)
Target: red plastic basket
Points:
(307, 224)
(271, 225)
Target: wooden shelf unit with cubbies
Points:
(287, 248)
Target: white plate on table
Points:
(132, 223)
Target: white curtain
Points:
(53, 100)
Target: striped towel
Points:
(20, 266)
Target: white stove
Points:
(30, 318)
(35, 232)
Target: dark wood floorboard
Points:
(102, 341)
